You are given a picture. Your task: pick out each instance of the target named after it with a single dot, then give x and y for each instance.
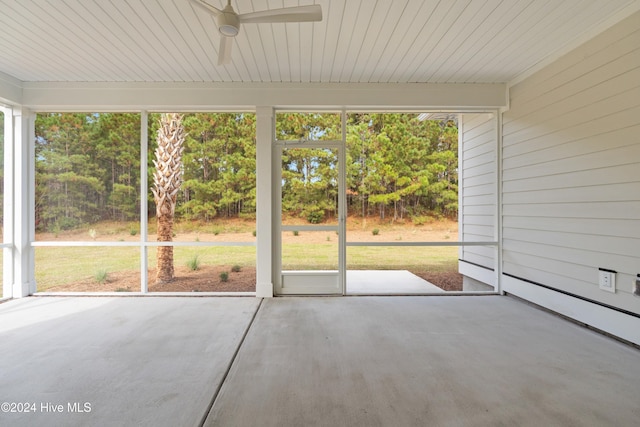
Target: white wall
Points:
(477, 166)
(571, 177)
(477, 188)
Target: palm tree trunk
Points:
(167, 179)
(165, 271)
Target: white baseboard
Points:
(608, 320)
(478, 273)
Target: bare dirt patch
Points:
(207, 279)
(446, 280)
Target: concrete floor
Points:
(334, 361)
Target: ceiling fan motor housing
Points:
(228, 22)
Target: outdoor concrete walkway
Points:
(334, 361)
(403, 282)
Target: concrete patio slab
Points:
(112, 361)
(371, 282)
(425, 361)
(350, 361)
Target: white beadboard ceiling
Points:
(358, 41)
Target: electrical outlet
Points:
(607, 280)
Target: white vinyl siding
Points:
(478, 187)
(571, 170)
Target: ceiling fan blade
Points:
(224, 54)
(287, 14)
(206, 6)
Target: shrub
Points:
(101, 276)
(224, 276)
(375, 232)
(55, 229)
(296, 233)
(236, 268)
(424, 219)
(254, 233)
(127, 289)
(418, 220)
(133, 232)
(66, 223)
(315, 217)
(193, 263)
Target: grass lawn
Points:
(60, 265)
(56, 266)
(412, 258)
(324, 256)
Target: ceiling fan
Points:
(229, 21)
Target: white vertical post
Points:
(276, 220)
(144, 190)
(29, 210)
(8, 206)
(498, 220)
(265, 132)
(460, 185)
(342, 205)
(24, 196)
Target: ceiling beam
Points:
(10, 90)
(63, 96)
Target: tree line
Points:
(88, 167)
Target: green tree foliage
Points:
(117, 140)
(88, 167)
(398, 165)
(309, 176)
(219, 166)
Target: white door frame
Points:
(312, 282)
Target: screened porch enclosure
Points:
(434, 205)
(546, 178)
(361, 196)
